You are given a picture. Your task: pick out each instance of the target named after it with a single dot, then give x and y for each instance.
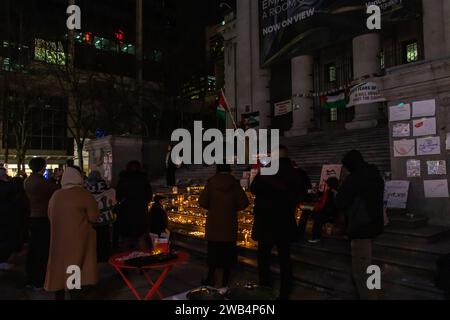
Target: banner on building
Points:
(282, 108)
(292, 27)
(365, 93)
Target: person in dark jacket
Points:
(134, 194)
(159, 221)
(14, 211)
(39, 191)
(274, 223)
(223, 197)
(361, 198)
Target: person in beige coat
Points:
(72, 212)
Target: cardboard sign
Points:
(396, 194)
(329, 171)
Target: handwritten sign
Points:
(436, 188)
(400, 112)
(413, 168)
(329, 171)
(401, 130)
(404, 148)
(424, 127)
(438, 167)
(426, 108)
(396, 194)
(428, 146)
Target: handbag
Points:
(358, 215)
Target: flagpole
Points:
(228, 109)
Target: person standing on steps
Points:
(360, 197)
(223, 197)
(274, 223)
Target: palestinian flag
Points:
(222, 108)
(337, 100)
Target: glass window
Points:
(330, 72)
(333, 114)
(411, 52)
(49, 52)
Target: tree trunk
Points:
(80, 155)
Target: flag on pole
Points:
(222, 108)
(337, 100)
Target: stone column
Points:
(260, 77)
(446, 17)
(433, 28)
(302, 84)
(366, 62)
(243, 58)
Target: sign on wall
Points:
(396, 194)
(282, 108)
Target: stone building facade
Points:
(408, 59)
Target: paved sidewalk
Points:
(111, 286)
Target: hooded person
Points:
(276, 200)
(360, 197)
(72, 212)
(223, 197)
(106, 200)
(134, 193)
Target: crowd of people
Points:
(67, 219)
(357, 202)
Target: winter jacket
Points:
(39, 192)
(277, 197)
(366, 183)
(72, 212)
(223, 197)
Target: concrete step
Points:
(325, 267)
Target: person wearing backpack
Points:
(361, 198)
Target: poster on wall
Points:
(428, 146)
(438, 167)
(413, 168)
(404, 148)
(424, 127)
(365, 93)
(396, 194)
(329, 171)
(282, 108)
(426, 108)
(436, 188)
(400, 130)
(400, 112)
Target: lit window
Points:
(49, 52)
(411, 52)
(333, 114)
(331, 72)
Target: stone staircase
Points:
(407, 251)
(407, 261)
(317, 149)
